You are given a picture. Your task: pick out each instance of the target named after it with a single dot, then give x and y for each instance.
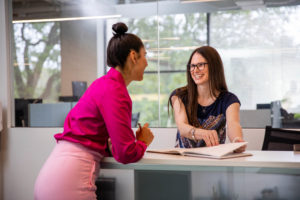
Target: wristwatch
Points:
(192, 131)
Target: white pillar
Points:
(5, 18)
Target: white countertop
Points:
(281, 160)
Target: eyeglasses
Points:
(200, 66)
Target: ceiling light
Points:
(66, 19)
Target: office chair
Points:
(277, 139)
(135, 119)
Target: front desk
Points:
(265, 175)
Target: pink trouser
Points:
(68, 174)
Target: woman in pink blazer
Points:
(103, 112)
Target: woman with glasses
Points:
(204, 110)
(104, 111)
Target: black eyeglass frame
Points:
(200, 66)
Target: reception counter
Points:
(281, 160)
(266, 174)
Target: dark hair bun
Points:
(119, 28)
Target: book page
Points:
(214, 151)
(230, 155)
(178, 151)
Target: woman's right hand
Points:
(210, 137)
(144, 134)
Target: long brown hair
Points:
(217, 82)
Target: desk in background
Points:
(255, 118)
(266, 174)
(48, 114)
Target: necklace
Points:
(208, 103)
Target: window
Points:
(260, 51)
(259, 48)
(167, 59)
(37, 60)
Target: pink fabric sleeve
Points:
(115, 108)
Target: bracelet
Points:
(235, 139)
(192, 131)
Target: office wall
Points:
(79, 59)
(26, 149)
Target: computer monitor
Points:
(263, 106)
(67, 98)
(78, 88)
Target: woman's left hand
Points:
(241, 149)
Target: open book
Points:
(221, 151)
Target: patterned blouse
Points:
(212, 117)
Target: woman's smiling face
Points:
(199, 69)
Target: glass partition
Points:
(259, 48)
